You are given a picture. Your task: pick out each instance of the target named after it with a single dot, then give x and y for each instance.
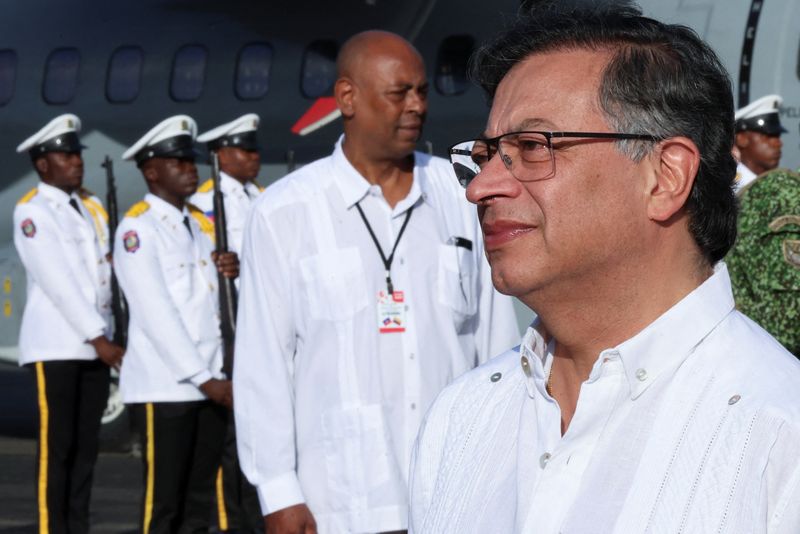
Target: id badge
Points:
(391, 312)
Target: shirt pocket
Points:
(178, 275)
(335, 284)
(456, 279)
(358, 457)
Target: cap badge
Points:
(184, 125)
(70, 123)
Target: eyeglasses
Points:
(528, 155)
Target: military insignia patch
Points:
(131, 241)
(28, 228)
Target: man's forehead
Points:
(548, 90)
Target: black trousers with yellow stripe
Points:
(181, 448)
(71, 396)
(237, 500)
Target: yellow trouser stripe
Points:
(44, 419)
(151, 469)
(221, 511)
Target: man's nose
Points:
(494, 180)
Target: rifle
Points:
(227, 289)
(119, 306)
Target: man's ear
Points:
(675, 165)
(149, 172)
(742, 139)
(344, 91)
(42, 165)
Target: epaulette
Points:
(258, 185)
(206, 186)
(28, 196)
(137, 209)
(206, 225)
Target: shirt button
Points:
(543, 459)
(411, 356)
(526, 368)
(496, 377)
(413, 406)
(641, 375)
(733, 400)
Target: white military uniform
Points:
(171, 285)
(64, 254)
(62, 239)
(237, 198)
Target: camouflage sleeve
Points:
(765, 262)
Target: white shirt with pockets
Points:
(327, 409)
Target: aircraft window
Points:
(451, 64)
(8, 75)
(252, 71)
(188, 73)
(319, 69)
(124, 76)
(61, 76)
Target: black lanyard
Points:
(387, 263)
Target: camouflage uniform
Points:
(765, 262)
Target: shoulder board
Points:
(137, 209)
(206, 224)
(258, 185)
(28, 196)
(206, 186)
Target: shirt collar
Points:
(228, 184)
(354, 187)
(659, 348)
(535, 357)
(165, 209)
(54, 193)
(665, 343)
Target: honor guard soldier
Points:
(172, 379)
(758, 138)
(236, 145)
(61, 235)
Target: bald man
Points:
(364, 291)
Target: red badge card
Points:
(391, 312)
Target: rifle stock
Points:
(227, 289)
(119, 306)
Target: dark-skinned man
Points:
(61, 235)
(172, 380)
(364, 292)
(236, 145)
(758, 138)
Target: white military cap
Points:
(170, 138)
(240, 133)
(761, 116)
(59, 135)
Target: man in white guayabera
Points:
(640, 400)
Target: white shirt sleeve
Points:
(44, 257)
(142, 281)
(263, 374)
